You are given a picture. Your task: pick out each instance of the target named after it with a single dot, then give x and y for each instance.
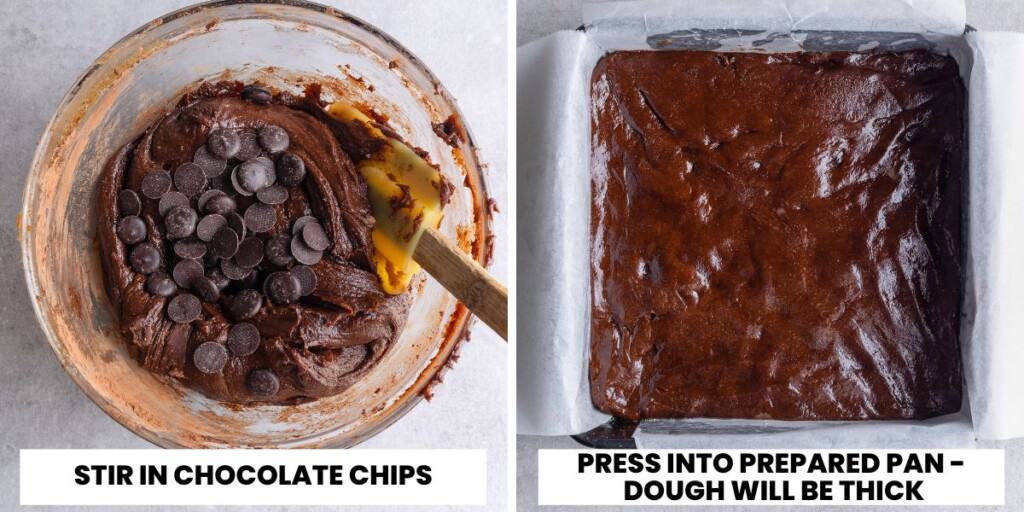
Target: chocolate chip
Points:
(256, 94)
(209, 225)
(274, 194)
(268, 169)
(224, 243)
(290, 169)
(180, 222)
(218, 278)
(301, 223)
(209, 163)
(160, 284)
(250, 252)
(145, 259)
(315, 237)
(278, 250)
(281, 288)
(250, 145)
(303, 253)
(245, 304)
(221, 205)
(170, 200)
(184, 308)
(190, 179)
(224, 143)
(210, 357)
(237, 223)
(206, 196)
(186, 272)
(274, 139)
(128, 203)
(131, 230)
(233, 271)
(260, 217)
(206, 289)
(250, 177)
(243, 339)
(190, 249)
(156, 184)
(306, 278)
(262, 383)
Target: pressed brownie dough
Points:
(235, 239)
(776, 235)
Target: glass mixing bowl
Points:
(285, 44)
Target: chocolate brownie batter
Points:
(235, 239)
(776, 235)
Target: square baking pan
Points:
(554, 211)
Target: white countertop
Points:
(46, 44)
(537, 18)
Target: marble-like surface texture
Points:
(46, 44)
(537, 18)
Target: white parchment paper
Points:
(554, 207)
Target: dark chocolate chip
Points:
(268, 169)
(274, 139)
(224, 243)
(209, 163)
(301, 223)
(224, 143)
(206, 196)
(274, 194)
(131, 230)
(190, 249)
(237, 223)
(245, 304)
(128, 203)
(221, 205)
(281, 288)
(306, 278)
(303, 253)
(145, 258)
(156, 184)
(250, 177)
(218, 278)
(315, 237)
(233, 271)
(206, 289)
(256, 94)
(290, 169)
(184, 308)
(190, 179)
(250, 252)
(171, 200)
(250, 145)
(160, 284)
(186, 272)
(209, 225)
(180, 222)
(210, 357)
(262, 383)
(243, 339)
(278, 250)
(260, 217)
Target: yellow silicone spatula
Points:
(405, 195)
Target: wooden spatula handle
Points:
(465, 279)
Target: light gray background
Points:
(46, 44)
(537, 18)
